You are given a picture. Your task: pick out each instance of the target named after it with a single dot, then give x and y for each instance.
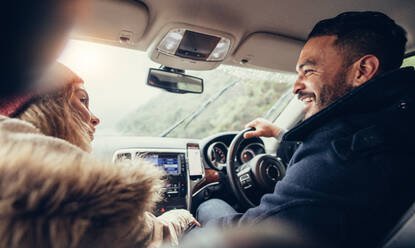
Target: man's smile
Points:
(306, 98)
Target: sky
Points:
(114, 77)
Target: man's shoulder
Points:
(360, 143)
(329, 132)
(339, 144)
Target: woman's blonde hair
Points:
(54, 115)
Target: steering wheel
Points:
(254, 178)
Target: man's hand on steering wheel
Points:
(263, 128)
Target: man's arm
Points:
(264, 128)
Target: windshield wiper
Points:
(198, 111)
(280, 101)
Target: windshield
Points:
(115, 80)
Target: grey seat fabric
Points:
(403, 234)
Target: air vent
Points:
(123, 156)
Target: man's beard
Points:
(329, 93)
(332, 92)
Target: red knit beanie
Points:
(58, 76)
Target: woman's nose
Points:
(94, 120)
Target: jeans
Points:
(213, 209)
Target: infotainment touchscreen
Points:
(170, 163)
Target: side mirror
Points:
(174, 81)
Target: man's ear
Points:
(365, 69)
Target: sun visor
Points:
(269, 51)
(113, 22)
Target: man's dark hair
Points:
(362, 33)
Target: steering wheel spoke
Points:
(251, 180)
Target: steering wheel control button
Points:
(247, 186)
(246, 181)
(244, 177)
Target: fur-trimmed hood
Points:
(52, 194)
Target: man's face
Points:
(322, 75)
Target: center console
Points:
(177, 189)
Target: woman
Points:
(63, 113)
(54, 195)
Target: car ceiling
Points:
(292, 19)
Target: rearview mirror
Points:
(174, 81)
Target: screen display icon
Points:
(170, 164)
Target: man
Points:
(350, 180)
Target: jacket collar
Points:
(373, 95)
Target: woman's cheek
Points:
(83, 110)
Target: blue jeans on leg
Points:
(213, 209)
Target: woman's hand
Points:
(180, 219)
(168, 227)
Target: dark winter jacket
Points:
(353, 175)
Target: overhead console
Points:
(184, 47)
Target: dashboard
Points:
(180, 159)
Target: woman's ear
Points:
(365, 69)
